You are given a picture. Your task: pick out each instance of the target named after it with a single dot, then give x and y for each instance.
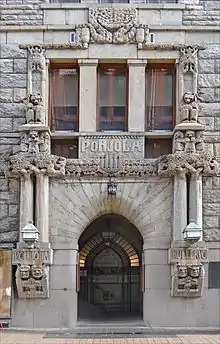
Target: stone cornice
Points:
(166, 46)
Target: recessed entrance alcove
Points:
(110, 270)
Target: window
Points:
(112, 98)
(64, 84)
(68, 148)
(160, 87)
(214, 275)
(154, 148)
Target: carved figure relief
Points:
(187, 280)
(189, 59)
(32, 281)
(188, 141)
(35, 142)
(189, 108)
(112, 25)
(35, 112)
(36, 58)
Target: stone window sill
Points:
(151, 134)
(138, 6)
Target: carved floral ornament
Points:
(25, 164)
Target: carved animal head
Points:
(188, 97)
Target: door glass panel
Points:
(5, 283)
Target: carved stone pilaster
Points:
(32, 275)
(187, 270)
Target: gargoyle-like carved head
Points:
(182, 271)
(24, 271)
(37, 271)
(194, 271)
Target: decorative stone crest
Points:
(35, 142)
(36, 58)
(187, 270)
(189, 107)
(112, 25)
(32, 274)
(189, 59)
(35, 112)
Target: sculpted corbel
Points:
(189, 59)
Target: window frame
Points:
(68, 65)
(120, 67)
(172, 67)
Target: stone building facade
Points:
(110, 146)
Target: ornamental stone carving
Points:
(189, 107)
(188, 141)
(187, 270)
(112, 25)
(36, 58)
(32, 274)
(35, 142)
(189, 59)
(35, 112)
(182, 162)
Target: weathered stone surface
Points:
(3, 184)
(6, 95)
(211, 51)
(212, 234)
(207, 66)
(208, 122)
(217, 65)
(208, 94)
(216, 182)
(3, 210)
(209, 80)
(211, 209)
(6, 66)
(209, 110)
(20, 66)
(19, 94)
(13, 209)
(12, 51)
(9, 237)
(5, 124)
(13, 80)
(211, 221)
(12, 110)
(211, 197)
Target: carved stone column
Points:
(87, 96)
(42, 206)
(26, 201)
(195, 199)
(136, 95)
(179, 206)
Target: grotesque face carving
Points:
(182, 271)
(24, 271)
(188, 97)
(37, 271)
(195, 271)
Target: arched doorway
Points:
(110, 269)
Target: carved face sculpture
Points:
(37, 271)
(195, 271)
(24, 271)
(182, 271)
(190, 134)
(188, 98)
(34, 136)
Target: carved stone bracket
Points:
(187, 270)
(188, 138)
(32, 275)
(35, 138)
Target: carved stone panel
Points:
(127, 147)
(32, 274)
(187, 270)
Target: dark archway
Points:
(110, 269)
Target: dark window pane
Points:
(154, 148)
(64, 99)
(112, 99)
(214, 275)
(159, 109)
(66, 148)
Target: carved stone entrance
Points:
(110, 269)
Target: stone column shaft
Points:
(195, 200)
(26, 202)
(42, 206)
(179, 206)
(88, 95)
(136, 95)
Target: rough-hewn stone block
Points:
(13, 80)
(5, 124)
(211, 197)
(12, 110)
(6, 95)
(6, 65)
(211, 221)
(207, 66)
(20, 66)
(211, 209)
(3, 184)
(208, 122)
(12, 51)
(209, 80)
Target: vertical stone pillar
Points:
(136, 95)
(26, 201)
(88, 95)
(42, 206)
(179, 206)
(195, 200)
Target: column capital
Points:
(88, 62)
(137, 62)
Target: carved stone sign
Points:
(127, 147)
(177, 254)
(32, 256)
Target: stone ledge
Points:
(130, 5)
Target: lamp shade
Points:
(192, 232)
(30, 233)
